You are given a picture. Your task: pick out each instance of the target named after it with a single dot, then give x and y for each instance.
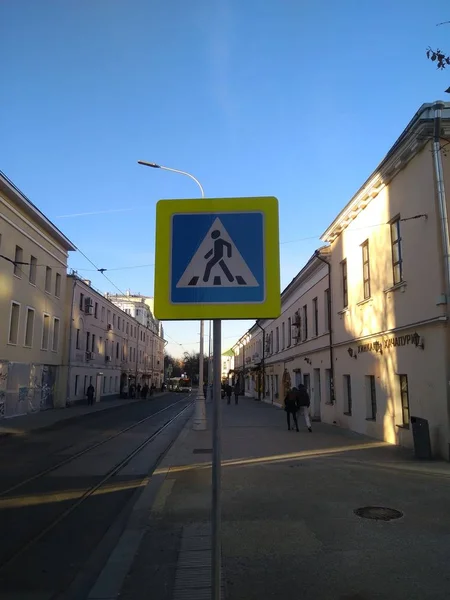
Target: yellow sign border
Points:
(269, 308)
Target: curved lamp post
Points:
(200, 410)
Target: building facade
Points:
(33, 263)
(276, 354)
(105, 346)
(382, 353)
(390, 291)
(141, 308)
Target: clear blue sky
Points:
(289, 98)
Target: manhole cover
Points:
(379, 513)
(202, 451)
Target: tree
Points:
(175, 363)
(191, 365)
(441, 59)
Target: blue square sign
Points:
(217, 258)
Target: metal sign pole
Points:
(216, 465)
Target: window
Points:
(128, 328)
(405, 399)
(114, 319)
(81, 301)
(29, 327)
(305, 322)
(348, 395)
(117, 350)
(344, 283)
(100, 345)
(77, 346)
(14, 323)
(277, 339)
(33, 270)
(93, 342)
(55, 342)
(48, 280)
(18, 258)
(88, 341)
(45, 332)
(77, 377)
(103, 314)
(109, 317)
(316, 316)
(283, 335)
(96, 310)
(118, 322)
(58, 285)
(397, 258)
(371, 397)
(366, 269)
(327, 310)
(289, 332)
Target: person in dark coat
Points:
(144, 392)
(90, 393)
(297, 399)
(237, 391)
(228, 392)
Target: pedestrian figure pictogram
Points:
(217, 256)
(217, 263)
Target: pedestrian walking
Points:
(297, 399)
(144, 392)
(228, 392)
(237, 391)
(90, 393)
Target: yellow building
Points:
(390, 282)
(33, 267)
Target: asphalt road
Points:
(51, 517)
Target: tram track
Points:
(90, 448)
(9, 560)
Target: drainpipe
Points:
(263, 365)
(439, 172)
(69, 353)
(330, 295)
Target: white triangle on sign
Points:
(217, 263)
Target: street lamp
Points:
(200, 409)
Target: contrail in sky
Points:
(99, 212)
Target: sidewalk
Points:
(289, 529)
(23, 424)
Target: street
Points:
(62, 488)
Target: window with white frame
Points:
(58, 285)
(14, 323)
(48, 280)
(55, 341)
(18, 258)
(45, 331)
(29, 327)
(33, 270)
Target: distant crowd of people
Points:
(128, 391)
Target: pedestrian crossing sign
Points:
(217, 259)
